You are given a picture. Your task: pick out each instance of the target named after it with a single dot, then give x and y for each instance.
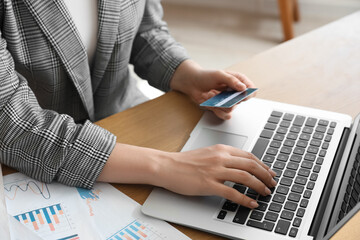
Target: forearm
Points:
(131, 164)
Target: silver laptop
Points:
(315, 154)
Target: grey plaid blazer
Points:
(49, 95)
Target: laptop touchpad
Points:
(208, 137)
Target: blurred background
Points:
(221, 33)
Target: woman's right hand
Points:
(204, 171)
(199, 172)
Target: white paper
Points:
(55, 211)
(4, 223)
(19, 231)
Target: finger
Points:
(247, 179)
(253, 167)
(244, 154)
(243, 78)
(233, 82)
(234, 196)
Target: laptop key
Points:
(307, 194)
(282, 189)
(323, 122)
(285, 124)
(268, 158)
(274, 120)
(266, 134)
(310, 185)
(290, 206)
(288, 116)
(296, 158)
(260, 147)
(282, 227)
(282, 157)
(265, 198)
(299, 120)
(240, 188)
(313, 176)
(304, 203)
(297, 222)
(222, 214)
(300, 212)
(319, 160)
(294, 197)
(276, 114)
(333, 124)
(275, 207)
(304, 172)
(230, 206)
(310, 157)
(320, 129)
(293, 166)
(241, 215)
(289, 173)
(293, 232)
(279, 137)
(275, 144)
(262, 206)
(271, 216)
(270, 126)
(297, 189)
(286, 181)
(287, 215)
(256, 215)
(300, 180)
(279, 165)
(265, 225)
(279, 198)
(305, 137)
(311, 122)
(307, 164)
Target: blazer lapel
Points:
(53, 20)
(109, 17)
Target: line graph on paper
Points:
(12, 189)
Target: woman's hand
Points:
(201, 84)
(198, 172)
(204, 171)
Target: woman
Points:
(60, 70)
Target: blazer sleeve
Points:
(155, 54)
(41, 143)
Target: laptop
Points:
(315, 154)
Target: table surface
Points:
(320, 69)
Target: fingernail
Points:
(272, 172)
(273, 182)
(267, 191)
(254, 204)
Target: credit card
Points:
(227, 99)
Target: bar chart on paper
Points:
(137, 231)
(46, 220)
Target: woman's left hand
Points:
(201, 84)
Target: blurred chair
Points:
(289, 12)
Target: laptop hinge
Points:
(328, 185)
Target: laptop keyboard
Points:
(352, 195)
(294, 146)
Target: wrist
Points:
(185, 76)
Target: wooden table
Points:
(320, 69)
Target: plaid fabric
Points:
(47, 87)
